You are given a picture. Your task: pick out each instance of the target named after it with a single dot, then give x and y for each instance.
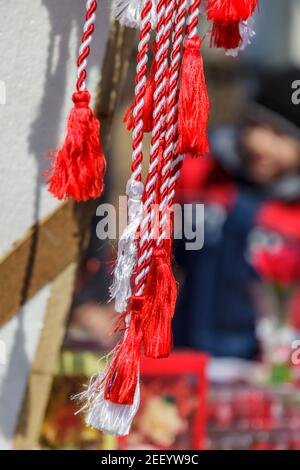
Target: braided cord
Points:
(84, 50)
(191, 31)
(171, 117)
(140, 88)
(147, 226)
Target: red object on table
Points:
(182, 375)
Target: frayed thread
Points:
(120, 289)
(128, 12)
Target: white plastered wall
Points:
(39, 40)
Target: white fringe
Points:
(128, 12)
(113, 418)
(104, 415)
(120, 289)
(247, 33)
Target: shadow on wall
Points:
(66, 18)
(13, 382)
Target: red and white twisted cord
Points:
(84, 50)
(127, 247)
(172, 113)
(169, 18)
(191, 31)
(193, 18)
(140, 83)
(147, 225)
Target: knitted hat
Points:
(274, 103)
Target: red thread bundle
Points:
(79, 166)
(194, 105)
(231, 10)
(160, 301)
(226, 16)
(123, 375)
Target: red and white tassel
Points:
(108, 408)
(102, 414)
(78, 168)
(127, 249)
(161, 288)
(230, 10)
(110, 417)
(112, 398)
(227, 16)
(123, 378)
(101, 403)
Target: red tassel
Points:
(225, 34)
(194, 106)
(148, 102)
(160, 301)
(79, 166)
(123, 375)
(231, 10)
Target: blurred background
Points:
(233, 379)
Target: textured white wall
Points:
(19, 340)
(39, 40)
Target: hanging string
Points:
(127, 247)
(111, 407)
(78, 167)
(178, 159)
(171, 115)
(84, 49)
(147, 225)
(161, 287)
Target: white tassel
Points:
(113, 418)
(128, 12)
(120, 290)
(103, 414)
(247, 33)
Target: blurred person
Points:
(251, 182)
